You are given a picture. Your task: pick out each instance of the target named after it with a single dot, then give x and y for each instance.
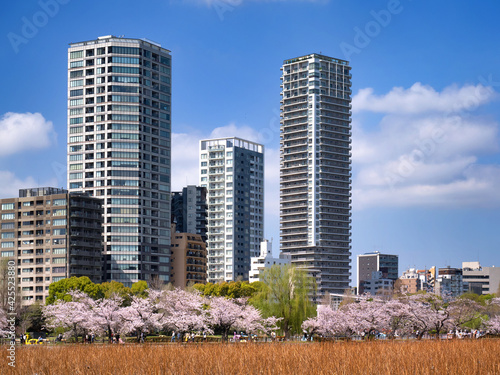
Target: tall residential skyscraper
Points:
(315, 183)
(119, 149)
(232, 170)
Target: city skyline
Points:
(425, 126)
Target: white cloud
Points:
(10, 184)
(24, 131)
(477, 187)
(231, 130)
(420, 98)
(417, 157)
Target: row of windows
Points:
(123, 182)
(124, 248)
(124, 201)
(125, 98)
(132, 136)
(123, 239)
(133, 229)
(124, 70)
(133, 192)
(124, 173)
(123, 60)
(123, 155)
(123, 210)
(124, 257)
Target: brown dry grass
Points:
(412, 357)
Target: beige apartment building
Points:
(188, 259)
(51, 235)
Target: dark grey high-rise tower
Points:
(119, 149)
(189, 210)
(315, 177)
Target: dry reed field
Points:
(388, 357)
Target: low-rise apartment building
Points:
(51, 235)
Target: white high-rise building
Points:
(119, 149)
(232, 170)
(315, 168)
(265, 260)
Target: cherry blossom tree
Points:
(225, 314)
(73, 316)
(367, 317)
(493, 325)
(463, 311)
(182, 311)
(270, 324)
(3, 323)
(428, 312)
(399, 316)
(106, 316)
(143, 316)
(329, 322)
(251, 320)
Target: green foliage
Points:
(482, 299)
(60, 289)
(233, 289)
(140, 289)
(477, 322)
(285, 293)
(112, 288)
(33, 318)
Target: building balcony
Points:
(294, 199)
(294, 191)
(294, 225)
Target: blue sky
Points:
(426, 77)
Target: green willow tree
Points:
(285, 293)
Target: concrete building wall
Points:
(481, 280)
(265, 260)
(51, 235)
(189, 259)
(368, 263)
(189, 210)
